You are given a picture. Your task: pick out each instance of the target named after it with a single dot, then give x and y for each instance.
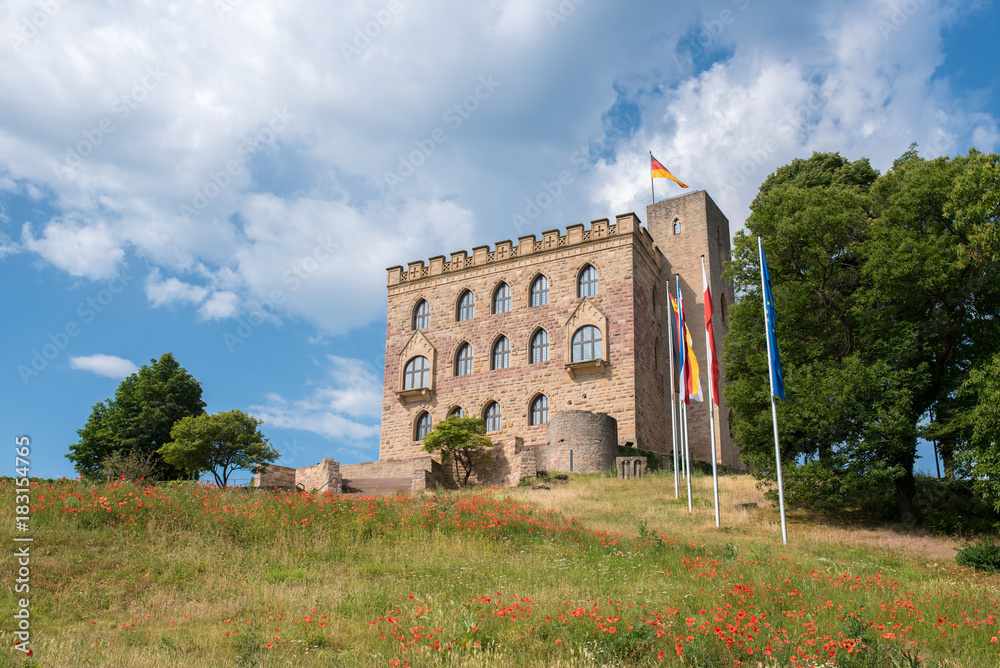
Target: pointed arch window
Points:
(501, 299)
(587, 283)
(466, 306)
(492, 417)
(540, 410)
(417, 373)
(501, 353)
(457, 411)
(587, 344)
(540, 347)
(423, 426)
(422, 315)
(463, 361)
(677, 226)
(540, 291)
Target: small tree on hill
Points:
(462, 439)
(220, 443)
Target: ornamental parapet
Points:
(529, 245)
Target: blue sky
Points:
(227, 180)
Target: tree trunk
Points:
(947, 451)
(906, 492)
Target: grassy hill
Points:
(594, 571)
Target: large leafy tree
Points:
(887, 295)
(139, 417)
(221, 444)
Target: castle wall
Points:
(652, 363)
(418, 469)
(607, 389)
(324, 476)
(275, 476)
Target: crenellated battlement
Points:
(505, 251)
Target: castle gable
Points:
(586, 313)
(418, 344)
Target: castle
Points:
(558, 343)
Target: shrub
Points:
(984, 557)
(951, 507)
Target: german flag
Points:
(661, 172)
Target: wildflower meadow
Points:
(596, 572)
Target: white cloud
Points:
(89, 251)
(172, 291)
(346, 408)
(225, 149)
(852, 90)
(104, 365)
(219, 305)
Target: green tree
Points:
(139, 417)
(887, 296)
(462, 439)
(220, 443)
(980, 459)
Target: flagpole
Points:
(682, 345)
(774, 406)
(687, 453)
(651, 191)
(673, 395)
(711, 401)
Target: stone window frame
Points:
(459, 306)
(487, 417)
(596, 344)
(418, 346)
(457, 411)
(531, 345)
(418, 425)
(456, 367)
(587, 313)
(531, 290)
(493, 352)
(535, 398)
(501, 303)
(677, 225)
(591, 283)
(425, 373)
(418, 316)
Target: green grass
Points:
(595, 571)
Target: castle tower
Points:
(685, 228)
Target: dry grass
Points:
(183, 588)
(597, 501)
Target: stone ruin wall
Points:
(592, 438)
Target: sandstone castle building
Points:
(558, 342)
(566, 322)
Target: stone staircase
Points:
(376, 486)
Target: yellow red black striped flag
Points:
(661, 172)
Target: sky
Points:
(227, 180)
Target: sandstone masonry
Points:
(625, 376)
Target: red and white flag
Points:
(713, 360)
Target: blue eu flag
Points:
(777, 379)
